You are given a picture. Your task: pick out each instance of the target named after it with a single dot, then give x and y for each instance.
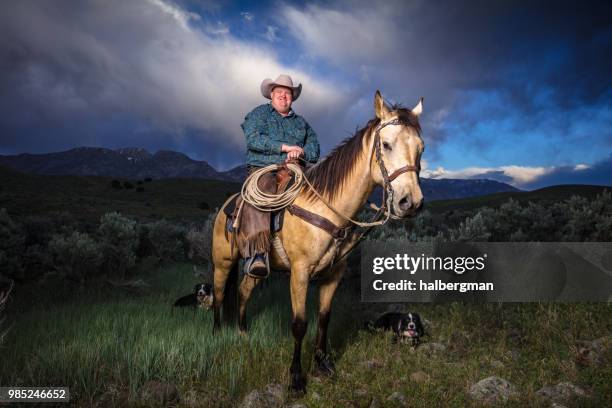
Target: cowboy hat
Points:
(283, 80)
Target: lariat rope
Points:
(273, 202)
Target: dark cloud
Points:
(599, 173)
(146, 73)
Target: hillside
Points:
(88, 197)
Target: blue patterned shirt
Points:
(266, 131)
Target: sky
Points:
(519, 92)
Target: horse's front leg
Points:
(299, 288)
(327, 289)
(246, 288)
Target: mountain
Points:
(448, 189)
(433, 189)
(132, 163)
(136, 163)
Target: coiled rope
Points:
(273, 202)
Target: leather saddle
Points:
(283, 180)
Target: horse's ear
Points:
(418, 109)
(380, 108)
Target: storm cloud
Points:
(517, 91)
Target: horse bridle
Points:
(387, 179)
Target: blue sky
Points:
(513, 91)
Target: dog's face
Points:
(204, 294)
(410, 327)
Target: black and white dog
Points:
(406, 326)
(202, 297)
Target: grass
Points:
(99, 341)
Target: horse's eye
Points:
(386, 146)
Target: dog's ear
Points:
(208, 287)
(195, 288)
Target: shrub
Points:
(119, 240)
(12, 246)
(116, 184)
(128, 185)
(199, 241)
(473, 229)
(167, 240)
(76, 255)
(38, 230)
(4, 294)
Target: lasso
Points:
(273, 202)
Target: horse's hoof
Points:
(298, 385)
(325, 367)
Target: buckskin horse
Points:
(386, 152)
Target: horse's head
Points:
(398, 138)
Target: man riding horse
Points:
(274, 134)
(314, 234)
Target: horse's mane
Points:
(329, 175)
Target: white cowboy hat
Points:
(283, 80)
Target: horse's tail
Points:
(230, 299)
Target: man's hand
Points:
(293, 152)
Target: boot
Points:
(257, 266)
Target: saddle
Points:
(283, 180)
(231, 209)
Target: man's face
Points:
(281, 99)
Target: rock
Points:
(316, 380)
(259, 399)
(420, 377)
(492, 390)
(515, 355)
(159, 393)
(315, 396)
(399, 398)
(432, 347)
(372, 364)
(561, 392)
(278, 391)
(360, 393)
(497, 364)
(591, 353)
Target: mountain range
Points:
(137, 163)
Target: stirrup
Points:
(260, 270)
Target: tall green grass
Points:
(109, 338)
(100, 339)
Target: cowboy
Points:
(274, 134)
